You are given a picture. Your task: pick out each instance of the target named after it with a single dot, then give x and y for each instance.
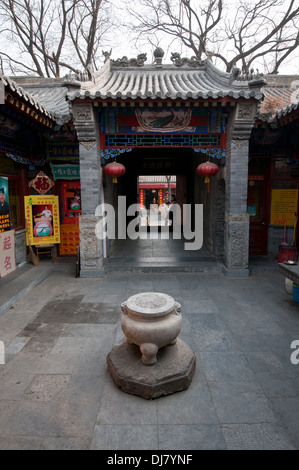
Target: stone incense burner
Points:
(151, 320)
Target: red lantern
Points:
(115, 170)
(207, 169)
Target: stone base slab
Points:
(172, 372)
(96, 273)
(236, 272)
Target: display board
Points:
(71, 200)
(284, 206)
(69, 239)
(42, 216)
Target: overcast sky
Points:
(123, 44)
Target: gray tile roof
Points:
(281, 97)
(166, 82)
(287, 110)
(48, 95)
(25, 95)
(54, 100)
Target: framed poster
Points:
(42, 216)
(5, 222)
(71, 200)
(284, 206)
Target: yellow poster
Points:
(284, 206)
(42, 216)
(69, 239)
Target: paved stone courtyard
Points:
(56, 391)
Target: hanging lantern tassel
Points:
(207, 169)
(114, 170)
(208, 181)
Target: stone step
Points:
(18, 283)
(162, 268)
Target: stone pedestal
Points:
(151, 361)
(172, 372)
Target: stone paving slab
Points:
(56, 391)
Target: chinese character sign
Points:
(7, 253)
(65, 172)
(41, 183)
(67, 151)
(5, 224)
(42, 215)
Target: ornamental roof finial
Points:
(158, 54)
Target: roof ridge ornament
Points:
(107, 55)
(193, 62)
(242, 76)
(158, 55)
(125, 62)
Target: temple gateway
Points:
(161, 122)
(213, 114)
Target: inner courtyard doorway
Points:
(156, 194)
(152, 177)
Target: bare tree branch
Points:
(49, 36)
(43, 32)
(236, 33)
(256, 23)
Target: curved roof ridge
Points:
(166, 81)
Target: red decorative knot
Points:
(114, 169)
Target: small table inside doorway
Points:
(44, 249)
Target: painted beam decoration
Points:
(163, 120)
(8, 127)
(202, 120)
(42, 215)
